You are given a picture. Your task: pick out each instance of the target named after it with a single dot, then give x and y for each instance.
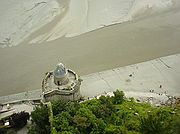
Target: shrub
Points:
(118, 97)
(19, 120)
(156, 122)
(40, 121)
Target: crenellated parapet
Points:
(61, 83)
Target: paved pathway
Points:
(161, 75)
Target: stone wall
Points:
(71, 93)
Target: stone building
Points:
(61, 83)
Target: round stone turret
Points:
(61, 83)
(60, 75)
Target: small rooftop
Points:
(49, 84)
(60, 71)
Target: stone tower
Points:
(61, 83)
(60, 75)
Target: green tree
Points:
(98, 127)
(156, 122)
(58, 106)
(118, 97)
(72, 107)
(61, 121)
(84, 120)
(112, 129)
(105, 108)
(40, 121)
(176, 126)
(106, 115)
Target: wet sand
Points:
(23, 67)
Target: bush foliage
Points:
(16, 122)
(106, 115)
(19, 120)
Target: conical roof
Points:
(60, 71)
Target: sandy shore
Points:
(23, 67)
(159, 86)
